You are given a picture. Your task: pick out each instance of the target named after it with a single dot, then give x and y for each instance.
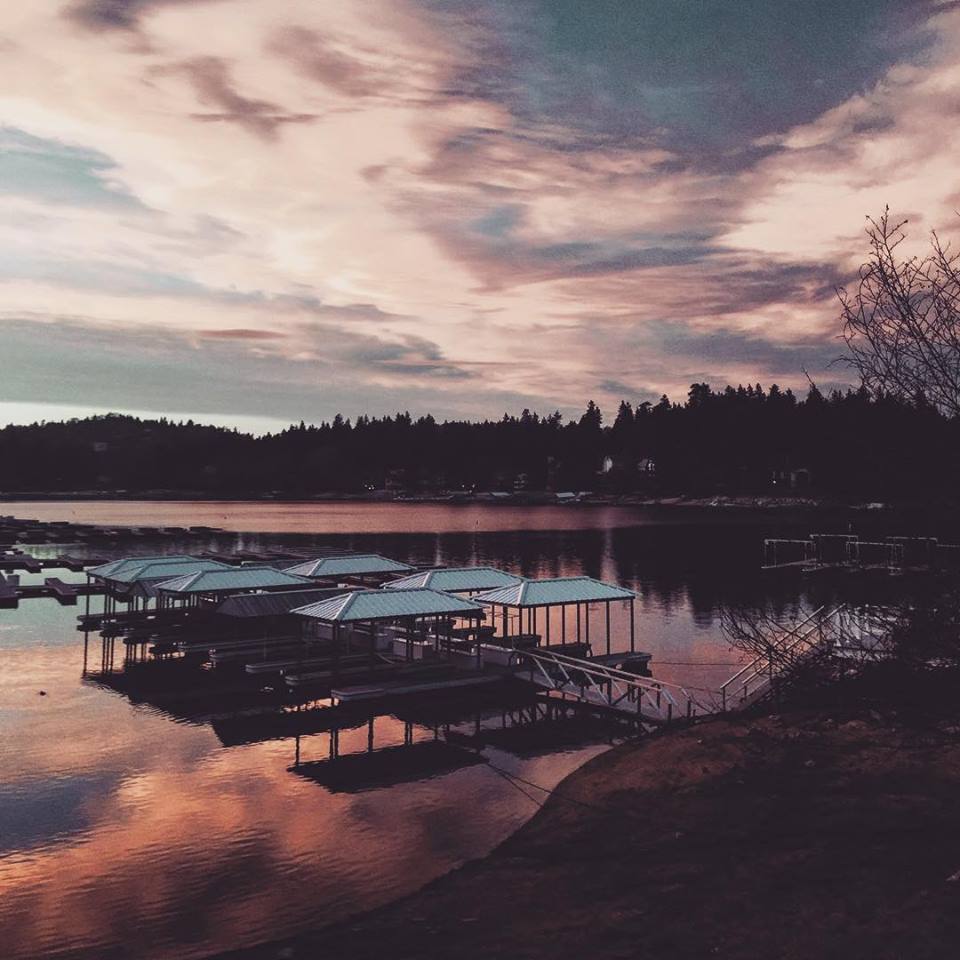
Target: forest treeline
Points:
(733, 441)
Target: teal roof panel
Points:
(366, 605)
(114, 567)
(233, 578)
(166, 570)
(553, 592)
(349, 565)
(456, 579)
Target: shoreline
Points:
(813, 832)
(712, 504)
(526, 499)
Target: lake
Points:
(127, 830)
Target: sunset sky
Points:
(257, 211)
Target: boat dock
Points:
(12, 591)
(826, 553)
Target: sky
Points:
(254, 212)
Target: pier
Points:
(823, 553)
(206, 640)
(12, 591)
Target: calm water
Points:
(131, 831)
(326, 517)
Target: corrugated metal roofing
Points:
(545, 593)
(456, 579)
(166, 570)
(118, 566)
(389, 605)
(274, 604)
(354, 565)
(219, 581)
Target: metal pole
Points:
(336, 650)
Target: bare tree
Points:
(902, 324)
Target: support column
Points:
(607, 612)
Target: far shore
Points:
(757, 501)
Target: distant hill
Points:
(738, 440)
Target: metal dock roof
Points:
(165, 570)
(349, 565)
(366, 605)
(456, 579)
(224, 581)
(554, 592)
(115, 567)
(274, 604)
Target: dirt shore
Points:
(809, 834)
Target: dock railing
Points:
(609, 687)
(785, 650)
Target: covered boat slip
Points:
(211, 587)
(360, 569)
(396, 628)
(303, 630)
(526, 614)
(468, 580)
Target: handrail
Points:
(768, 660)
(652, 690)
(587, 666)
(762, 656)
(763, 668)
(797, 639)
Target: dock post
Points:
(336, 651)
(633, 629)
(607, 612)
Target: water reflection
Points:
(153, 810)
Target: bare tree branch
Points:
(902, 323)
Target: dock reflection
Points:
(353, 747)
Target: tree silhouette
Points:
(902, 323)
